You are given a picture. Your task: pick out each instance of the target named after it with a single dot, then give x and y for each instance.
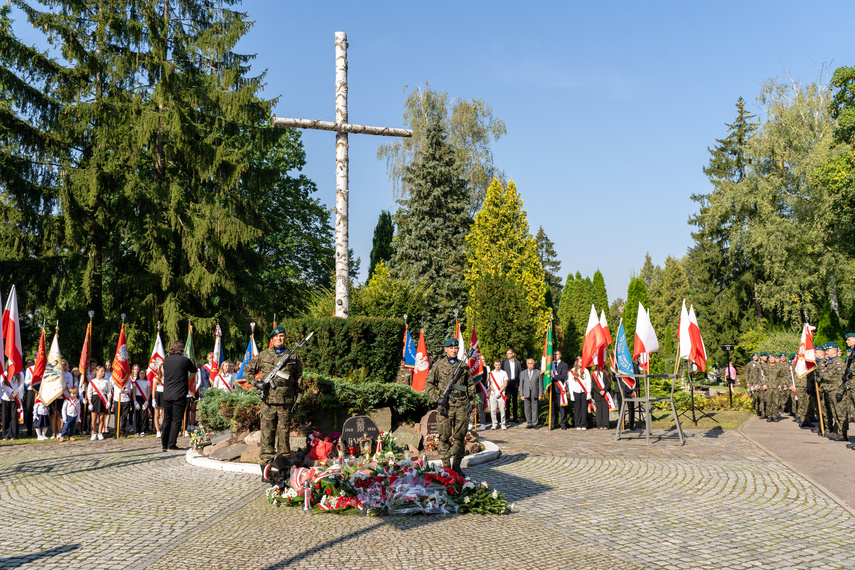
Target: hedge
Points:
(358, 348)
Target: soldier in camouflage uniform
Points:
(803, 399)
(830, 379)
(773, 381)
(815, 380)
(451, 428)
(276, 402)
(788, 403)
(752, 380)
(847, 389)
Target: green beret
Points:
(451, 342)
(277, 330)
(820, 347)
(791, 356)
(764, 354)
(831, 345)
(850, 335)
(754, 354)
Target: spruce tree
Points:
(432, 225)
(500, 244)
(550, 263)
(381, 245)
(601, 297)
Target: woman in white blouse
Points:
(579, 384)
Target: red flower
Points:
(329, 491)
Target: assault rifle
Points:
(442, 403)
(269, 381)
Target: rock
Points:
(405, 436)
(253, 439)
(251, 455)
(414, 451)
(427, 426)
(473, 448)
(382, 418)
(229, 453)
(297, 442)
(207, 451)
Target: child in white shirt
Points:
(70, 412)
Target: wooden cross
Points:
(341, 128)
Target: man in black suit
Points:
(560, 373)
(513, 369)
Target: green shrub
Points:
(237, 411)
(361, 347)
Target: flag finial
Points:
(455, 314)
(158, 326)
(123, 318)
(405, 318)
(91, 315)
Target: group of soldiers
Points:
(825, 393)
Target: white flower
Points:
(466, 500)
(495, 494)
(468, 485)
(485, 484)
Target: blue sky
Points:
(610, 106)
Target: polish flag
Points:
(605, 324)
(699, 351)
(420, 370)
(12, 333)
(806, 358)
(600, 358)
(645, 339)
(158, 355)
(683, 333)
(476, 361)
(459, 336)
(595, 337)
(40, 365)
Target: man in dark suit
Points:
(531, 390)
(513, 369)
(560, 372)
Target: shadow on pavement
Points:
(84, 462)
(16, 561)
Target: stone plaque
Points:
(428, 424)
(405, 436)
(358, 427)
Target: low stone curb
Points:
(491, 453)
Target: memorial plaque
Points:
(357, 427)
(428, 424)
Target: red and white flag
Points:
(86, 351)
(158, 355)
(459, 336)
(699, 351)
(806, 358)
(39, 366)
(476, 361)
(600, 359)
(12, 333)
(218, 353)
(121, 366)
(595, 337)
(420, 370)
(645, 339)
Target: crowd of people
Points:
(90, 402)
(821, 400)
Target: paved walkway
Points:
(582, 501)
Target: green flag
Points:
(546, 359)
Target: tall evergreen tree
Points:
(550, 263)
(500, 244)
(601, 297)
(381, 245)
(432, 225)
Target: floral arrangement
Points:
(385, 482)
(200, 436)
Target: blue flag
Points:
(251, 352)
(623, 356)
(409, 350)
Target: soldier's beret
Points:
(831, 345)
(764, 354)
(791, 356)
(450, 342)
(820, 347)
(276, 331)
(850, 335)
(754, 354)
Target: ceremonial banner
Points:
(595, 337)
(409, 349)
(420, 370)
(40, 364)
(806, 358)
(546, 356)
(476, 360)
(85, 353)
(250, 353)
(623, 357)
(190, 352)
(645, 339)
(121, 366)
(158, 355)
(52, 379)
(12, 333)
(218, 353)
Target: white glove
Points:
(136, 405)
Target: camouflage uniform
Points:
(405, 377)
(276, 402)
(752, 381)
(773, 393)
(846, 390)
(832, 371)
(452, 429)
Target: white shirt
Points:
(497, 378)
(575, 388)
(222, 379)
(142, 392)
(103, 386)
(28, 377)
(71, 409)
(124, 392)
(17, 385)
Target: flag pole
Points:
(184, 421)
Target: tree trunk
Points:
(340, 127)
(342, 270)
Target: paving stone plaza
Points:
(723, 500)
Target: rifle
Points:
(847, 374)
(270, 380)
(442, 403)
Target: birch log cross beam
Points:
(341, 128)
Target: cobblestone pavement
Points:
(581, 500)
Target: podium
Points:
(643, 403)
